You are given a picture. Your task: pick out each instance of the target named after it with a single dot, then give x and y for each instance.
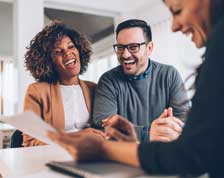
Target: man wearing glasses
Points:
(140, 89)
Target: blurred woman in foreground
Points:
(200, 147)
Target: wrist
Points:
(145, 134)
(123, 152)
(104, 154)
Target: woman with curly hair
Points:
(55, 57)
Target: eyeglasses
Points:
(132, 47)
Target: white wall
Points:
(28, 21)
(6, 35)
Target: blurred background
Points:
(20, 20)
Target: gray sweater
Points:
(143, 100)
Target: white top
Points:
(75, 109)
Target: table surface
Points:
(30, 162)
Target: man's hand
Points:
(119, 128)
(166, 128)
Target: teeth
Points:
(70, 61)
(128, 62)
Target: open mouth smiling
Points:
(69, 62)
(129, 62)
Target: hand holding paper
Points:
(31, 124)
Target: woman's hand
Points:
(82, 146)
(87, 132)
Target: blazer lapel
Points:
(87, 94)
(58, 118)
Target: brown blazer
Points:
(45, 100)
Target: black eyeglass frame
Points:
(128, 46)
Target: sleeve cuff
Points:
(145, 134)
(142, 133)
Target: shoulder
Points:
(215, 45)
(39, 87)
(113, 74)
(163, 68)
(212, 66)
(89, 84)
(111, 79)
(166, 73)
(218, 32)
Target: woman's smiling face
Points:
(66, 58)
(191, 17)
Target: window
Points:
(8, 87)
(98, 66)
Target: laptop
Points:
(101, 169)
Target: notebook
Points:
(95, 169)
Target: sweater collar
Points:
(143, 75)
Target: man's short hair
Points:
(136, 23)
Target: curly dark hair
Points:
(38, 58)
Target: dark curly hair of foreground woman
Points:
(39, 57)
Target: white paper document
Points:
(31, 124)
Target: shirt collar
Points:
(143, 75)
